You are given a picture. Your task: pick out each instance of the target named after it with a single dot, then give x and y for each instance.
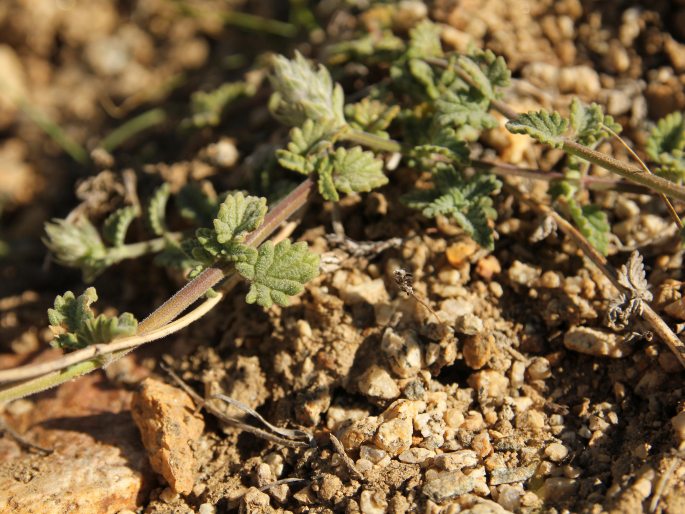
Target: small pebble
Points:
(477, 350)
(595, 342)
(395, 436)
(458, 460)
(372, 502)
(556, 452)
(447, 485)
(206, 508)
(376, 382)
(416, 455)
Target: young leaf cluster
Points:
(466, 201)
(207, 107)
(76, 326)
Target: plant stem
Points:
(628, 171)
(135, 250)
(132, 127)
(159, 323)
(372, 141)
(197, 287)
(648, 314)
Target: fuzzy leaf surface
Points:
(155, 210)
(77, 244)
(302, 92)
(278, 272)
(592, 223)
(116, 225)
(544, 126)
(666, 146)
(238, 215)
(589, 123)
(75, 325)
(467, 201)
(357, 171)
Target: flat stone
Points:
(98, 463)
(447, 485)
(168, 425)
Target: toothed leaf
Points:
(467, 201)
(326, 183)
(666, 146)
(208, 106)
(75, 326)
(155, 211)
(357, 171)
(371, 116)
(464, 109)
(278, 272)
(546, 127)
(238, 215)
(424, 41)
(589, 123)
(592, 223)
(116, 225)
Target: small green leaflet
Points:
(196, 204)
(278, 272)
(155, 210)
(75, 325)
(238, 215)
(116, 225)
(305, 146)
(590, 124)
(208, 106)
(546, 127)
(372, 116)
(467, 201)
(424, 41)
(357, 171)
(592, 223)
(666, 146)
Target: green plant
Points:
(429, 111)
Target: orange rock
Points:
(460, 252)
(166, 418)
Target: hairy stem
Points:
(132, 127)
(628, 171)
(135, 250)
(158, 324)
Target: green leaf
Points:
(305, 143)
(445, 142)
(77, 244)
(238, 215)
(590, 124)
(302, 92)
(155, 210)
(464, 109)
(208, 106)
(278, 272)
(357, 171)
(422, 72)
(467, 201)
(116, 225)
(372, 116)
(668, 136)
(494, 68)
(326, 183)
(666, 146)
(75, 325)
(592, 223)
(196, 204)
(546, 127)
(424, 41)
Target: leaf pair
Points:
(343, 170)
(275, 272)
